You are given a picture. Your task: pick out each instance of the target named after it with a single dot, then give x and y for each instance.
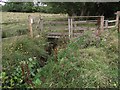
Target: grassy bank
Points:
(84, 62)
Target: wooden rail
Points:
(110, 21)
(85, 16)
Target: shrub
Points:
(21, 50)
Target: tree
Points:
(13, 6)
(18, 7)
(70, 8)
(85, 8)
(28, 7)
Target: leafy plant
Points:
(22, 50)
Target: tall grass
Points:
(85, 63)
(16, 51)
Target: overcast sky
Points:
(2, 2)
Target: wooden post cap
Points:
(117, 13)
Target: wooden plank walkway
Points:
(59, 35)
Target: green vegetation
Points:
(71, 8)
(83, 64)
(17, 51)
(86, 61)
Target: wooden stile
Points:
(75, 25)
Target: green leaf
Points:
(30, 59)
(37, 82)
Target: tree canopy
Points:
(70, 8)
(18, 7)
(86, 8)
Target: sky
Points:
(2, 2)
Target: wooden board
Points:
(59, 35)
(84, 28)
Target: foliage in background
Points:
(71, 8)
(85, 8)
(18, 7)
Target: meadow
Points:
(84, 62)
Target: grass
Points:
(15, 24)
(16, 50)
(84, 62)
(88, 67)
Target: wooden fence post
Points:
(117, 19)
(102, 23)
(30, 25)
(118, 25)
(75, 25)
(98, 27)
(106, 24)
(41, 24)
(69, 27)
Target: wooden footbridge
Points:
(57, 27)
